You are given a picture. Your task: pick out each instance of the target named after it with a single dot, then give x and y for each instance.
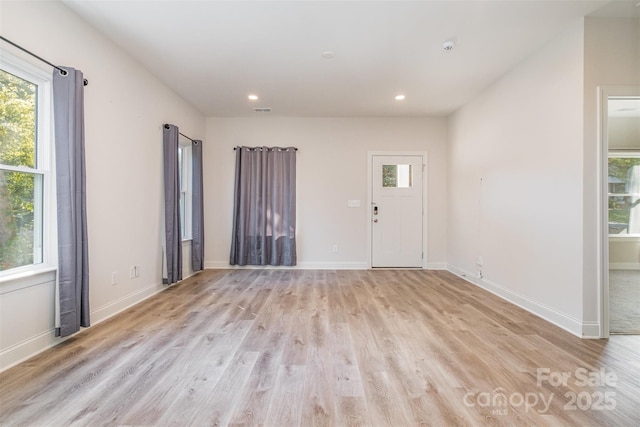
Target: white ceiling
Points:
(215, 53)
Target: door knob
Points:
(375, 220)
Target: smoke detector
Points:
(448, 46)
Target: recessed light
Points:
(400, 97)
(253, 97)
(328, 54)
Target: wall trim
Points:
(37, 344)
(591, 330)
(28, 348)
(224, 265)
(109, 310)
(354, 265)
(568, 323)
(436, 266)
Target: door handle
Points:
(375, 219)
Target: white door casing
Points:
(396, 211)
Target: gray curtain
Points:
(264, 212)
(197, 208)
(73, 253)
(173, 236)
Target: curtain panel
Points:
(173, 234)
(264, 212)
(197, 208)
(73, 251)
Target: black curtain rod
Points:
(62, 71)
(166, 126)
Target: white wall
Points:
(612, 58)
(515, 184)
(331, 169)
(125, 107)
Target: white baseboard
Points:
(591, 330)
(315, 266)
(436, 266)
(32, 346)
(109, 310)
(28, 348)
(301, 266)
(569, 323)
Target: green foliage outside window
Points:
(620, 205)
(389, 175)
(17, 149)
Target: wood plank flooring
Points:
(326, 348)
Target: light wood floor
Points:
(332, 348)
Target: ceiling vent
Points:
(262, 110)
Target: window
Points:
(396, 176)
(624, 193)
(184, 170)
(25, 173)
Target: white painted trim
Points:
(591, 330)
(425, 200)
(37, 73)
(27, 278)
(604, 92)
(28, 348)
(35, 345)
(551, 315)
(436, 266)
(333, 265)
(355, 265)
(109, 310)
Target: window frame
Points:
(185, 168)
(621, 154)
(44, 166)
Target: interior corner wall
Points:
(611, 58)
(125, 107)
(331, 170)
(515, 184)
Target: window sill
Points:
(625, 238)
(26, 278)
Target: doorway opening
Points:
(397, 198)
(620, 137)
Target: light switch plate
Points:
(353, 203)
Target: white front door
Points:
(396, 211)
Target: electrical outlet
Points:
(334, 248)
(134, 271)
(114, 278)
